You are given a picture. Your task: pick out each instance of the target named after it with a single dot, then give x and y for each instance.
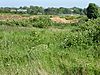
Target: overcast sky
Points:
(48, 3)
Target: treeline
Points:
(40, 10)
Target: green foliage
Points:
(83, 19)
(78, 10)
(93, 29)
(70, 17)
(92, 11)
(36, 10)
(72, 50)
(41, 22)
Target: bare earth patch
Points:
(11, 17)
(63, 20)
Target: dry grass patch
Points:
(63, 20)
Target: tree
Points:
(35, 10)
(77, 10)
(92, 11)
(51, 11)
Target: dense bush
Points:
(86, 36)
(93, 29)
(92, 11)
(41, 22)
(70, 17)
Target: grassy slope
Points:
(34, 51)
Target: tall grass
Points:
(41, 51)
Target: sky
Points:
(48, 3)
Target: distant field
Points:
(56, 18)
(41, 46)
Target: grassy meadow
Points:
(38, 46)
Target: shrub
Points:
(70, 17)
(92, 11)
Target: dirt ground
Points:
(11, 17)
(19, 17)
(63, 20)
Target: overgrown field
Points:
(42, 47)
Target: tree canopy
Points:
(40, 10)
(92, 11)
